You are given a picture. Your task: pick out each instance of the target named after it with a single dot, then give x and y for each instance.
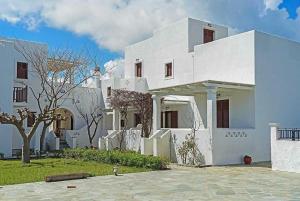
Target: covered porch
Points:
(221, 113)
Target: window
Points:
(168, 70)
(137, 119)
(108, 91)
(20, 94)
(138, 69)
(22, 70)
(208, 35)
(30, 119)
(122, 123)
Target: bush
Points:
(129, 158)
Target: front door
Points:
(169, 119)
(223, 113)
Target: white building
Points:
(228, 87)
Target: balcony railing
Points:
(20, 94)
(289, 134)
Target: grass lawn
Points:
(14, 172)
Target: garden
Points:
(93, 162)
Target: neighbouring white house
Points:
(227, 88)
(285, 148)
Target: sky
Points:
(108, 26)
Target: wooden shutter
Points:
(138, 69)
(208, 35)
(169, 70)
(22, 70)
(174, 119)
(223, 114)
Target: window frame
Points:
(135, 68)
(166, 70)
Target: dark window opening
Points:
(22, 70)
(31, 119)
(138, 69)
(137, 119)
(169, 70)
(20, 94)
(208, 35)
(108, 91)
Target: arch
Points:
(65, 123)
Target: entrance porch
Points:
(221, 114)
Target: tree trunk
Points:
(43, 135)
(26, 151)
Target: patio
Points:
(180, 183)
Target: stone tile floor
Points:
(238, 183)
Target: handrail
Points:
(289, 134)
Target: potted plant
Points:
(247, 160)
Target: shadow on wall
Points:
(186, 152)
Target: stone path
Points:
(214, 183)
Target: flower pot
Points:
(247, 160)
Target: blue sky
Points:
(291, 6)
(107, 27)
(56, 38)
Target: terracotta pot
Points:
(247, 160)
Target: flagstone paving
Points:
(214, 183)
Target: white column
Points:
(156, 112)
(211, 107)
(57, 143)
(116, 120)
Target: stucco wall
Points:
(173, 43)
(285, 153)
(276, 97)
(6, 88)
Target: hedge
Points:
(126, 158)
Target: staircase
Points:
(63, 145)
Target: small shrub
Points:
(130, 158)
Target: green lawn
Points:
(14, 172)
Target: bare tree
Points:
(58, 75)
(142, 102)
(122, 100)
(91, 113)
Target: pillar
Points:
(156, 112)
(211, 107)
(116, 120)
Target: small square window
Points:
(22, 70)
(208, 35)
(168, 69)
(108, 91)
(138, 69)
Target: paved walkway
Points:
(214, 183)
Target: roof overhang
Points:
(200, 87)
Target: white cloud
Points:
(113, 24)
(114, 68)
(272, 4)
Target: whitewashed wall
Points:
(6, 88)
(172, 43)
(285, 153)
(276, 93)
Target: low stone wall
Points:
(285, 153)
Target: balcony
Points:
(20, 94)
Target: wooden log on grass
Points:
(65, 177)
